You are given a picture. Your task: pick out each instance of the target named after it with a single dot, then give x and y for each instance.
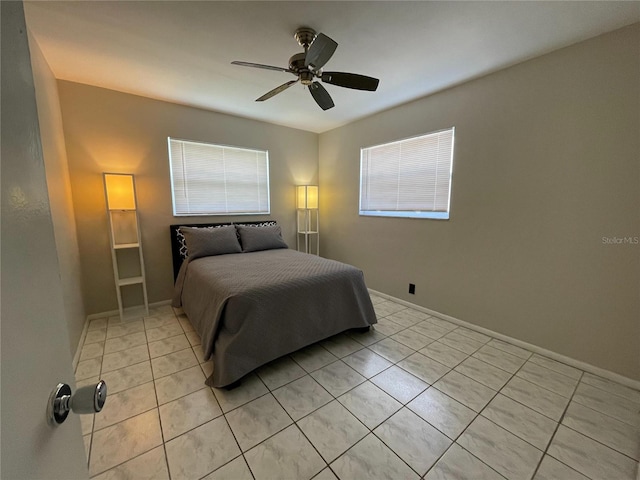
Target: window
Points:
(408, 178)
(209, 179)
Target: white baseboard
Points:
(93, 316)
(83, 335)
(629, 382)
(514, 341)
(112, 313)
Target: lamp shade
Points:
(119, 190)
(307, 196)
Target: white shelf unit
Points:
(308, 231)
(126, 244)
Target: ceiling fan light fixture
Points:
(306, 77)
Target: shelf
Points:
(130, 281)
(126, 245)
(308, 231)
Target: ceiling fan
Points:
(318, 49)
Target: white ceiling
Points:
(181, 51)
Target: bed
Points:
(254, 301)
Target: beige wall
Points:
(547, 163)
(108, 131)
(59, 189)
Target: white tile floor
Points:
(416, 397)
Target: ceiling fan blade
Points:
(320, 51)
(259, 65)
(321, 96)
(351, 80)
(276, 91)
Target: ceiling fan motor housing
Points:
(296, 64)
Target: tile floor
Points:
(418, 397)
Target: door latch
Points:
(89, 399)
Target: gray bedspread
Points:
(251, 308)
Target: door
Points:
(34, 344)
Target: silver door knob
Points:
(89, 399)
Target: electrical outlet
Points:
(412, 289)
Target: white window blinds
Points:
(408, 178)
(209, 179)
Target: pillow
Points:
(260, 238)
(205, 242)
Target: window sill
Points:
(421, 215)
